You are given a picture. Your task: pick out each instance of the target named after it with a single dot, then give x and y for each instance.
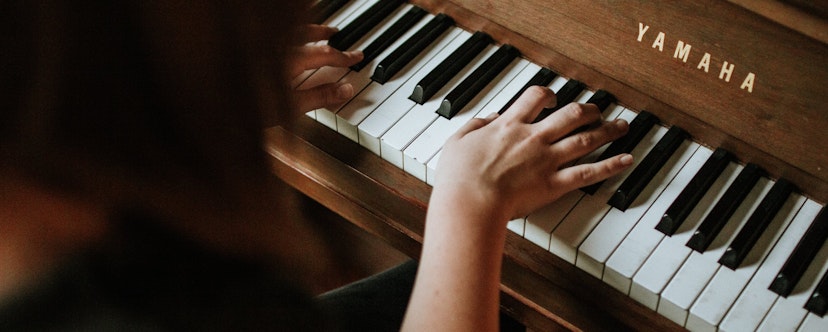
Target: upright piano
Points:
(721, 223)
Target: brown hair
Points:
(143, 103)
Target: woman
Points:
(136, 193)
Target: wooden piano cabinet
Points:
(780, 125)
(537, 288)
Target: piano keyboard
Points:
(687, 231)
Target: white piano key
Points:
(589, 211)
(360, 79)
(720, 294)
(814, 323)
(394, 142)
(426, 145)
(671, 252)
(644, 238)
(756, 300)
(372, 94)
(788, 312)
(541, 223)
(516, 225)
(432, 168)
(608, 234)
(339, 19)
(699, 268)
(398, 104)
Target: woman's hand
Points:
(514, 167)
(314, 56)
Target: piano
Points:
(720, 225)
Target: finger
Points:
(580, 144)
(474, 124)
(530, 103)
(567, 119)
(316, 32)
(328, 95)
(318, 56)
(578, 176)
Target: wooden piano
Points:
(746, 76)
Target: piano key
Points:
(337, 20)
(817, 303)
(644, 173)
(639, 127)
(699, 268)
(358, 79)
(479, 78)
(788, 312)
(756, 300)
(354, 111)
(389, 36)
(756, 225)
(651, 279)
(802, 256)
(564, 96)
(643, 239)
(723, 290)
(395, 107)
(694, 191)
(814, 323)
(439, 76)
(516, 225)
(426, 145)
(608, 234)
(541, 223)
(590, 210)
(542, 78)
(602, 99)
(724, 209)
(323, 9)
(416, 44)
(421, 116)
(345, 38)
(432, 168)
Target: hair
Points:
(154, 104)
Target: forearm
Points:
(459, 273)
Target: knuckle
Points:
(539, 92)
(585, 140)
(327, 50)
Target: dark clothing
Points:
(151, 279)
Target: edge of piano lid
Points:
(770, 112)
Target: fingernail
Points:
(626, 159)
(622, 124)
(345, 91)
(355, 54)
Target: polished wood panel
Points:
(781, 125)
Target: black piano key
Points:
(639, 127)
(724, 208)
(647, 168)
(602, 99)
(441, 74)
(323, 9)
(693, 193)
(350, 34)
(565, 95)
(400, 57)
(479, 78)
(543, 77)
(802, 255)
(389, 36)
(758, 222)
(818, 303)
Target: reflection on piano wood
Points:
(730, 238)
